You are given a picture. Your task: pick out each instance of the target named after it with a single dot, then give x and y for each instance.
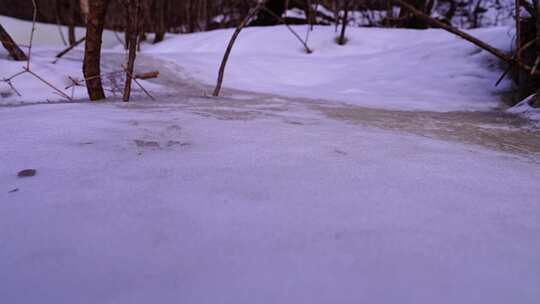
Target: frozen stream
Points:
(493, 129)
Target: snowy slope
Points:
(398, 69)
(47, 34)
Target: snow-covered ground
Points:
(394, 69)
(266, 201)
(294, 192)
(427, 70)
(47, 34)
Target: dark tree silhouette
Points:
(92, 54)
(11, 46)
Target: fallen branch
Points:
(128, 74)
(11, 46)
(147, 75)
(519, 52)
(68, 49)
(498, 53)
(503, 75)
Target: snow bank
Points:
(397, 69)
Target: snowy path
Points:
(261, 199)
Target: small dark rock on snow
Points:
(27, 173)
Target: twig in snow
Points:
(27, 69)
(49, 84)
(10, 84)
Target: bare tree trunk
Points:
(309, 14)
(342, 39)
(518, 37)
(58, 14)
(143, 20)
(133, 32)
(72, 36)
(92, 54)
(160, 7)
(389, 12)
(537, 20)
(65, 11)
(536, 101)
(221, 74)
(11, 46)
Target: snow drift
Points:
(397, 69)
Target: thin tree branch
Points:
(304, 43)
(49, 84)
(68, 49)
(34, 18)
(498, 53)
(239, 28)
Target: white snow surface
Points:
(31, 89)
(170, 203)
(47, 34)
(394, 69)
(255, 198)
(46, 45)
